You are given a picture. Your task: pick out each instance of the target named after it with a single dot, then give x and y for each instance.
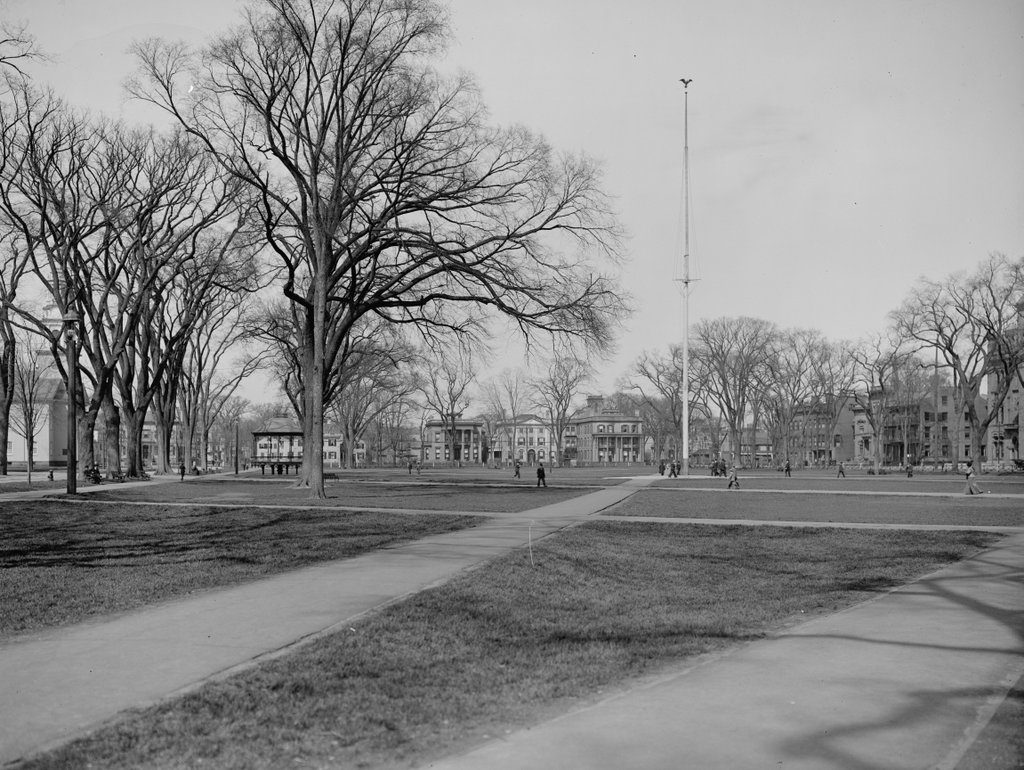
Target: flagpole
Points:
(686, 278)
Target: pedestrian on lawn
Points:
(181, 471)
(842, 471)
(788, 469)
(972, 486)
(734, 479)
(515, 473)
(541, 480)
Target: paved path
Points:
(906, 680)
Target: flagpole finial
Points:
(686, 82)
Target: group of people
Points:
(719, 468)
(673, 468)
(542, 476)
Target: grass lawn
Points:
(871, 509)
(516, 641)
(39, 482)
(394, 492)
(63, 562)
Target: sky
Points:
(839, 149)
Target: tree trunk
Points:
(136, 423)
(5, 431)
(164, 419)
(313, 399)
(163, 444)
(111, 441)
(85, 453)
(7, 362)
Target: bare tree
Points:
(12, 266)
(557, 390)
(834, 376)
(374, 377)
(789, 372)
(17, 47)
(505, 396)
(445, 385)
(877, 359)
(657, 382)
(729, 351)
(974, 322)
(32, 367)
(383, 190)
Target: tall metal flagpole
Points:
(686, 276)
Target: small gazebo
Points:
(278, 445)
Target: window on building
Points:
(945, 400)
(437, 437)
(332, 442)
(636, 428)
(600, 428)
(625, 429)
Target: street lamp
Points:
(70, 320)
(236, 446)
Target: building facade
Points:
(526, 439)
(600, 436)
(469, 442)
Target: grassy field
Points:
(826, 481)
(516, 641)
(63, 562)
(983, 510)
(468, 494)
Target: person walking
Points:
(181, 471)
(661, 468)
(515, 472)
(541, 479)
(972, 486)
(842, 471)
(734, 479)
(787, 469)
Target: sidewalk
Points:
(62, 683)
(906, 680)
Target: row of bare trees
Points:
(748, 373)
(318, 136)
(121, 243)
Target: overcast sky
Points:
(838, 150)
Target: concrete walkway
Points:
(906, 680)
